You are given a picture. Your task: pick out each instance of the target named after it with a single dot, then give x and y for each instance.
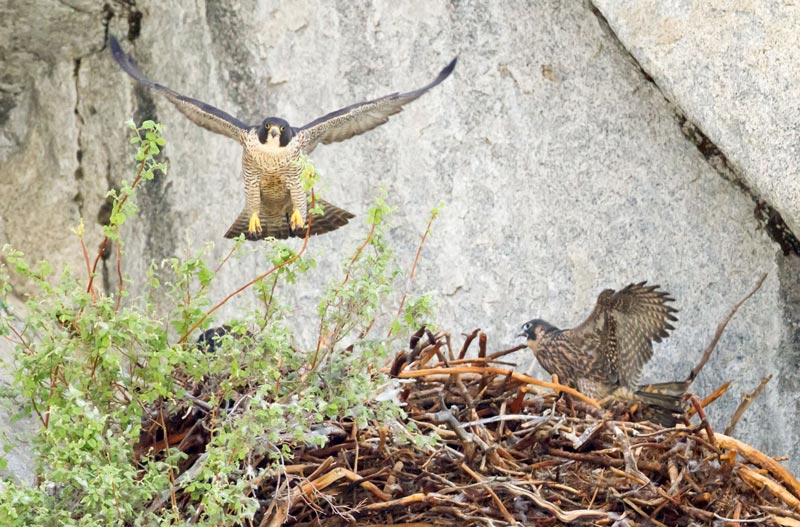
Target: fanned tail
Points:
(240, 226)
(331, 219)
(663, 403)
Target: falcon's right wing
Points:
(200, 113)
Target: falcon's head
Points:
(534, 329)
(274, 131)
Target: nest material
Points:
(508, 450)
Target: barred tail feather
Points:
(331, 219)
(240, 226)
(664, 402)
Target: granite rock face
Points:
(733, 70)
(563, 170)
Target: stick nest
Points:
(484, 445)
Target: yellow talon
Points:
(255, 224)
(296, 221)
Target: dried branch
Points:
(747, 400)
(414, 268)
(761, 460)
(525, 379)
(721, 328)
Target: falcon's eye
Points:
(282, 127)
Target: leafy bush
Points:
(96, 372)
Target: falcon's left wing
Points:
(361, 117)
(626, 322)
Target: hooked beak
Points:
(274, 131)
(521, 334)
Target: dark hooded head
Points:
(275, 127)
(535, 328)
(209, 340)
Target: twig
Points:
(498, 354)
(601, 460)
(566, 517)
(631, 466)
(500, 371)
(219, 266)
(696, 404)
(413, 269)
(321, 337)
(761, 460)
(737, 520)
(467, 438)
(507, 417)
(85, 253)
(760, 480)
(338, 473)
(103, 244)
(268, 301)
(224, 260)
(721, 328)
(254, 280)
(713, 396)
(480, 479)
(467, 341)
(747, 400)
(782, 511)
(119, 276)
(419, 497)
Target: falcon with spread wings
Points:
(604, 355)
(276, 204)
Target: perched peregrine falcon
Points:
(276, 204)
(604, 356)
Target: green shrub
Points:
(93, 369)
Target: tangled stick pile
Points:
(511, 450)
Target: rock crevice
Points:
(766, 215)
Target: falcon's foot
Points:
(296, 222)
(255, 224)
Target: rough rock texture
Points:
(732, 68)
(562, 168)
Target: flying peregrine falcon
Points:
(275, 203)
(604, 356)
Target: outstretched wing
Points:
(625, 323)
(200, 113)
(361, 117)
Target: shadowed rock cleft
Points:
(771, 220)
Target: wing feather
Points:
(627, 322)
(200, 113)
(363, 116)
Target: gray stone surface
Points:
(562, 169)
(732, 68)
